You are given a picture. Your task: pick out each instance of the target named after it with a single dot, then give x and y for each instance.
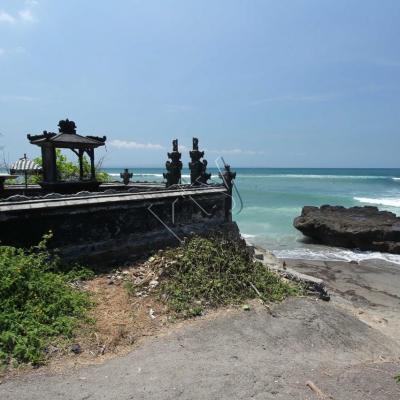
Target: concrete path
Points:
(241, 355)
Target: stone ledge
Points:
(109, 198)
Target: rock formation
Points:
(364, 228)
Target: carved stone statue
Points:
(126, 176)
(67, 126)
(174, 167)
(198, 174)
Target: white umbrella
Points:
(25, 166)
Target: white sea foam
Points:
(156, 175)
(396, 179)
(389, 202)
(247, 235)
(335, 254)
(310, 176)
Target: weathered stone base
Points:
(112, 252)
(112, 227)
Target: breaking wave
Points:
(335, 254)
(322, 176)
(155, 175)
(389, 202)
(247, 235)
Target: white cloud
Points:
(31, 3)
(23, 15)
(235, 152)
(6, 17)
(126, 144)
(26, 15)
(2, 51)
(185, 149)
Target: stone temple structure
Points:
(67, 138)
(102, 223)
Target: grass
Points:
(212, 272)
(38, 304)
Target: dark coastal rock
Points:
(364, 228)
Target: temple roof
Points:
(67, 138)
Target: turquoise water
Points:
(272, 198)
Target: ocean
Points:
(270, 198)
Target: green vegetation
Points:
(397, 378)
(69, 170)
(209, 272)
(129, 287)
(38, 304)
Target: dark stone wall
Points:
(115, 228)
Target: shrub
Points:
(37, 302)
(209, 272)
(68, 170)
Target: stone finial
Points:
(126, 176)
(174, 167)
(198, 167)
(67, 126)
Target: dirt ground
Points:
(122, 322)
(348, 347)
(239, 355)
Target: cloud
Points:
(26, 15)
(23, 15)
(235, 152)
(6, 17)
(31, 3)
(126, 144)
(9, 51)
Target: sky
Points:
(263, 83)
